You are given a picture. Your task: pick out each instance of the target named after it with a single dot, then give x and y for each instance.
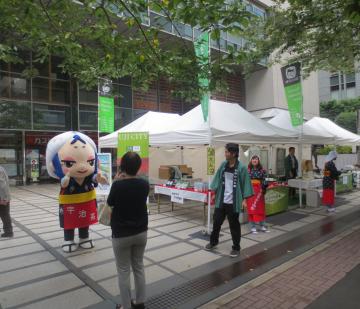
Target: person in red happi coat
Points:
(331, 174)
(256, 203)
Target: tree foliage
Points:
(108, 38)
(342, 112)
(347, 120)
(339, 149)
(321, 34)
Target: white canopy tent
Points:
(309, 134)
(229, 122)
(340, 135)
(152, 122)
(317, 130)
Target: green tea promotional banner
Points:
(106, 114)
(137, 142)
(210, 161)
(293, 92)
(202, 53)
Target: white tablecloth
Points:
(305, 184)
(185, 194)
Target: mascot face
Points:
(71, 153)
(77, 158)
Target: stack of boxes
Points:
(165, 171)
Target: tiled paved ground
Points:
(35, 272)
(298, 283)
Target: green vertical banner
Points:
(201, 46)
(106, 114)
(137, 142)
(293, 92)
(210, 160)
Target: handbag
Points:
(104, 213)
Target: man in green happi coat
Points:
(232, 185)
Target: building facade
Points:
(338, 86)
(34, 109)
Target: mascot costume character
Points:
(72, 158)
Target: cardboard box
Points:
(164, 172)
(183, 168)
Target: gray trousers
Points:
(130, 251)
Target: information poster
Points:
(137, 142)
(105, 168)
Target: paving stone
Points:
(20, 250)
(159, 241)
(38, 290)
(176, 227)
(88, 257)
(79, 298)
(161, 222)
(30, 273)
(15, 241)
(170, 252)
(191, 260)
(27, 260)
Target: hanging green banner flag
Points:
(106, 114)
(202, 53)
(293, 92)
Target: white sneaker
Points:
(264, 229)
(254, 230)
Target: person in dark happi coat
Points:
(232, 187)
(331, 174)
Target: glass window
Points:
(160, 22)
(56, 71)
(234, 38)
(88, 96)
(47, 90)
(184, 30)
(42, 67)
(51, 117)
(17, 67)
(15, 115)
(60, 91)
(123, 116)
(126, 80)
(350, 78)
(258, 11)
(139, 112)
(334, 80)
(88, 117)
(40, 89)
(351, 93)
(197, 33)
(13, 86)
(122, 96)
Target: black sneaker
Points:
(210, 247)
(7, 234)
(234, 253)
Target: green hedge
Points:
(339, 149)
